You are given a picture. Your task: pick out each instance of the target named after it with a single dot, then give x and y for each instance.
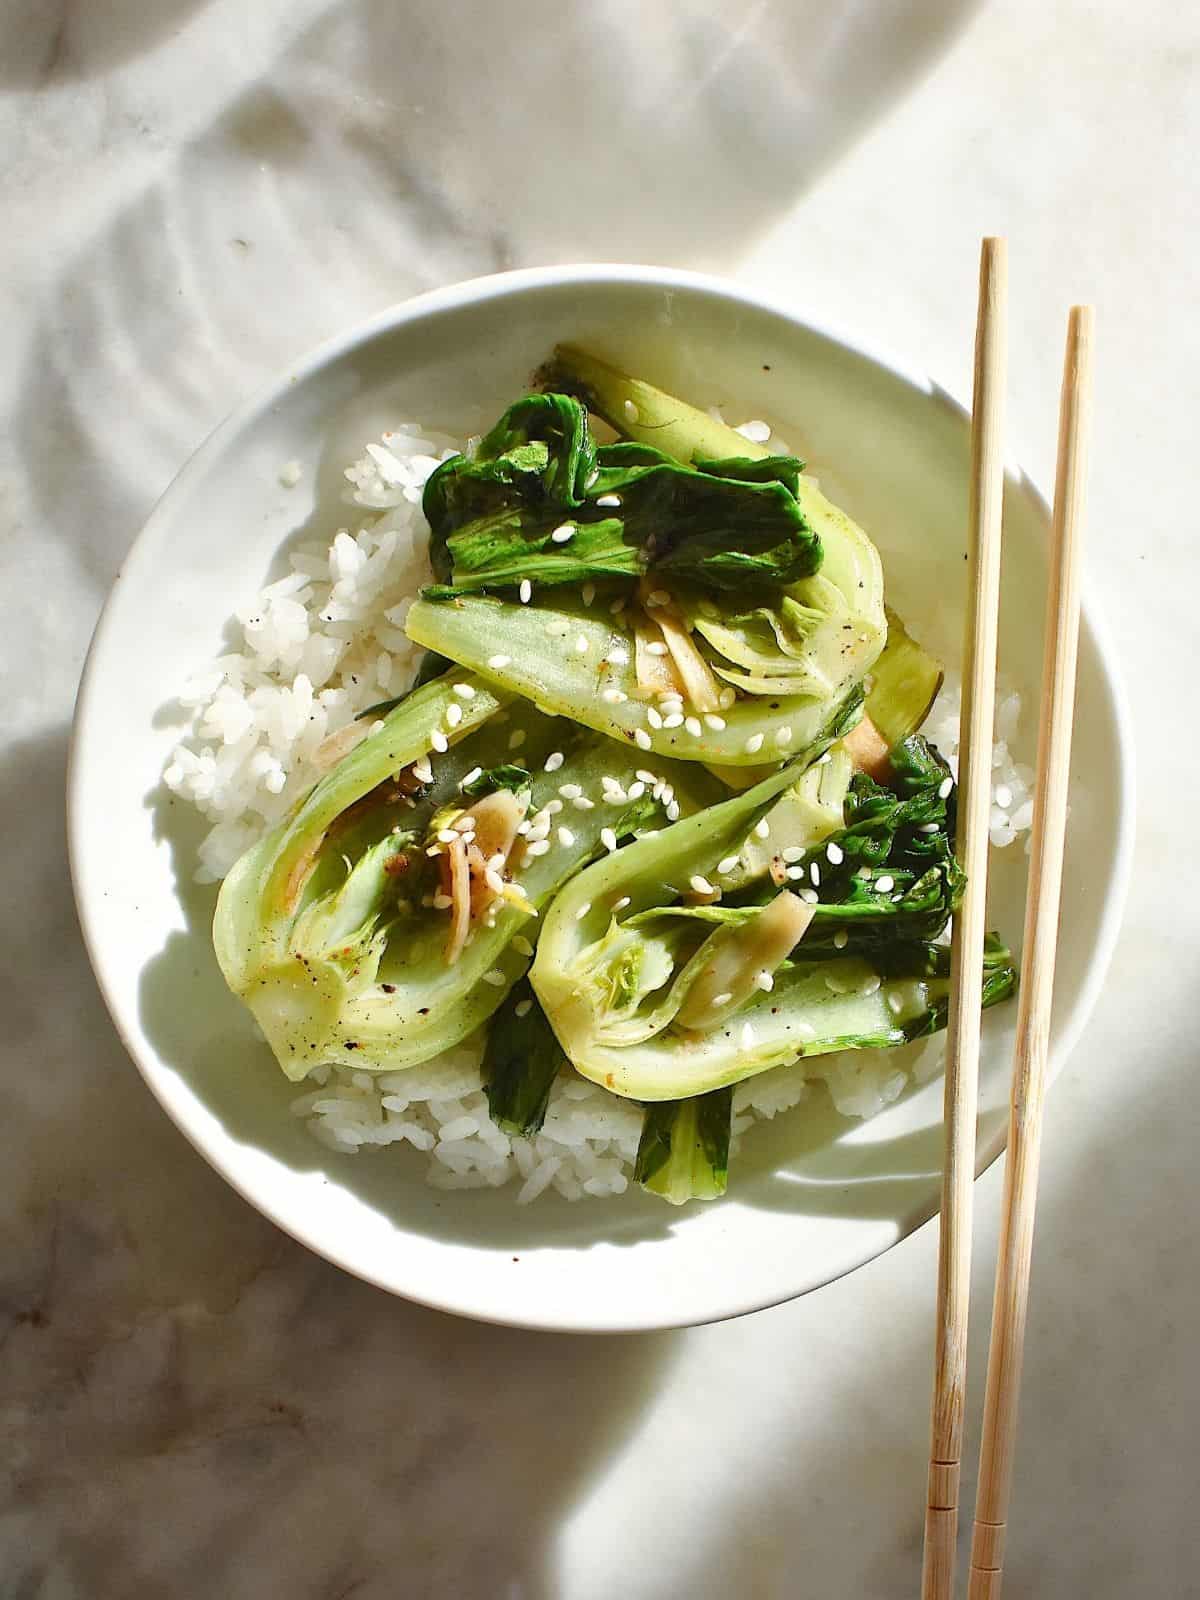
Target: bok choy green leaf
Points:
(684, 1150)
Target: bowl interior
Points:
(813, 1195)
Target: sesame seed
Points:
(656, 648)
(692, 725)
(944, 788)
(636, 791)
(726, 698)
(516, 739)
(522, 945)
(581, 645)
(928, 827)
(764, 980)
(553, 761)
(446, 836)
(653, 718)
(523, 1008)
(701, 884)
(834, 853)
(795, 873)
(564, 531)
(439, 741)
(619, 905)
(669, 699)
(658, 597)
(747, 1036)
(885, 885)
(608, 838)
(717, 724)
(643, 776)
(569, 790)
(582, 803)
(841, 939)
(614, 697)
(641, 738)
(754, 744)
(589, 593)
(809, 896)
(762, 829)
(792, 852)
(538, 847)
(465, 691)
(814, 873)
(870, 984)
(494, 881)
(453, 714)
(553, 807)
(495, 977)
(672, 813)
(497, 662)
(729, 864)
(617, 606)
(422, 771)
(566, 837)
(630, 410)
(673, 720)
(475, 772)
(722, 999)
(583, 911)
(783, 736)
(608, 500)
(525, 592)
(442, 902)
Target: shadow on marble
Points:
(50, 42)
(371, 165)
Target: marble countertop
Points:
(194, 191)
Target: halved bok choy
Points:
(681, 589)
(662, 986)
(389, 915)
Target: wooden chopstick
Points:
(1037, 968)
(966, 971)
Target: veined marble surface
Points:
(194, 191)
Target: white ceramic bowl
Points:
(812, 1195)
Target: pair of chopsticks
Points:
(1037, 965)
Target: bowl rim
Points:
(479, 290)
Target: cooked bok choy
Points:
(391, 913)
(681, 589)
(660, 987)
(656, 811)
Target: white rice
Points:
(320, 644)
